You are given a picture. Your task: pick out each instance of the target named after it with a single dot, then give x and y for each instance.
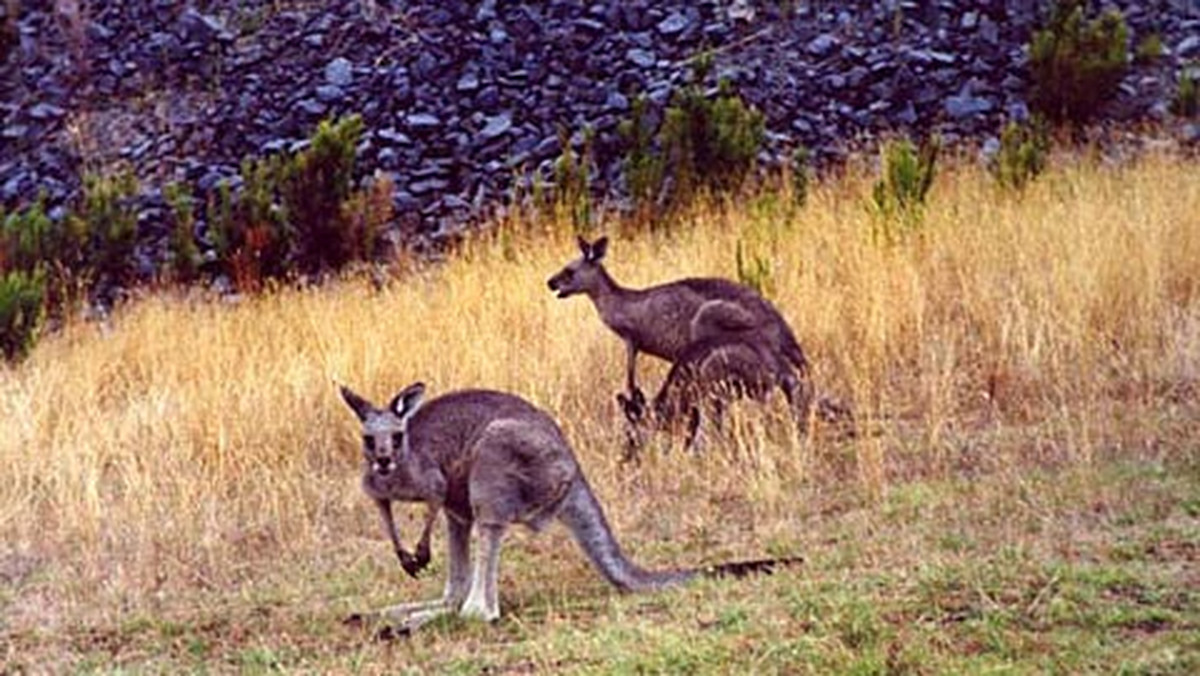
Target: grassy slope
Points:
(180, 486)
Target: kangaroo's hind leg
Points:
(483, 601)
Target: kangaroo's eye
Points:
(369, 442)
(397, 440)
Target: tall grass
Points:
(195, 449)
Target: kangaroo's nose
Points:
(552, 283)
(384, 467)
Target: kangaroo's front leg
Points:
(484, 599)
(410, 616)
(422, 555)
(407, 561)
(630, 366)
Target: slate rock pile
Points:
(460, 97)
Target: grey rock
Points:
(673, 24)
(330, 93)
(1188, 46)
(966, 105)
(642, 58)
(822, 45)
(496, 126)
(469, 82)
(339, 72)
(423, 121)
(46, 111)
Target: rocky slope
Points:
(459, 97)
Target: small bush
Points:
(899, 194)
(366, 214)
(1076, 63)
(22, 309)
(184, 256)
(313, 186)
(709, 143)
(1022, 154)
(109, 215)
(572, 195)
(753, 270)
(703, 143)
(1149, 49)
(643, 166)
(801, 176)
(1186, 102)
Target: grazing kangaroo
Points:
(708, 375)
(490, 460)
(664, 320)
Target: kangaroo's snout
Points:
(384, 466)
(558, 282)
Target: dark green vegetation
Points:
(294, 214)
(1187, 94)
(898, 197)
(1076, 62)
(1022, 155)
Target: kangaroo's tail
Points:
(741, 569)
(582, 514)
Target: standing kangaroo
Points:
(708, 375)
(489, 460)
(664, 320)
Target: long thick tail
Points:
(582, 514)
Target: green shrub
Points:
(703, 144)
(1149, 49)
(709, 143)
(643, 166)
(1022, 154)
(1077, 63)
(22, 309)
(753, 270)
(367, 213)
(801, 175)
(313, 186)
(899, 194)
(109, 215)
(572, 194)
(1186, 102)
(184, 256)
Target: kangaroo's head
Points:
(385, 431)
(584, 274)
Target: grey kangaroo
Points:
(489, 460)
(664, 320)
(708, 375)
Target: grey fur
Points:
(489, 460)
(665, 320)
(708, 375)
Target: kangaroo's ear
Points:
(408, 400)
(598, 249)
(360, 406)
(584, 247)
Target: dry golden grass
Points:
(195, 453)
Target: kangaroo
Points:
(490, 460)
(664, 320)
(709, 374)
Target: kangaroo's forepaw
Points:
(413, 564)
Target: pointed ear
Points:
(584, 247)
(360, 406)
(598, 249)
(408, 400)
